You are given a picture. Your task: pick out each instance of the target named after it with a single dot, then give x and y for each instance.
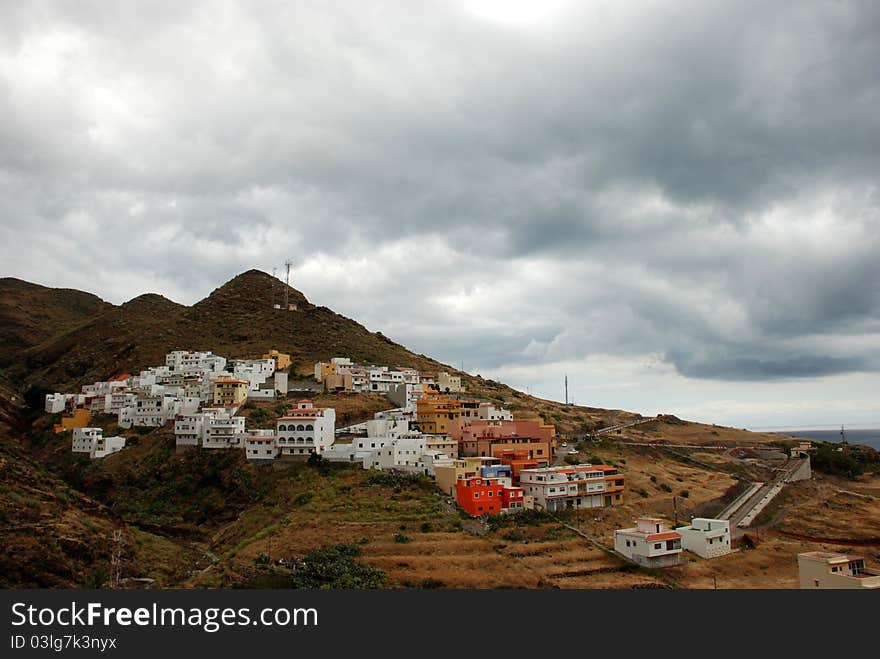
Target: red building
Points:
(485, 496)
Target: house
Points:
(448, 383)
(260, 445)
(487, 496)
(306, 429)
(93, 442)
(706, 537)
(488, 412)
(189, 361)
(55, 403)
(405, 394)
(575, 486)
(649, 543)
(253, 371)
(519, 460)
(492, 438)
(84, 439)
(150, 410)
(230, 392)
(281, 359)
(222, 430)
(106, 446)
(448, 475)
(189, 429)
(822, 569)
(437, 414)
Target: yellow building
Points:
(80, 419)
(438, 415)
(282, 360)
(447, 476)
(229, 392)
(323, 369)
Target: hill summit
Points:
(237, 319)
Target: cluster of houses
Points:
(402, 386)
(188, 382)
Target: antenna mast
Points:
(274, 277)
(842, 436)
(287, 264)
(566, 388)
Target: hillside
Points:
(236, 319)
(30, 314)
(194, 518)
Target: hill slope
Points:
(235, 320)
(30, 314)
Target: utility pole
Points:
(566, 388)
(116, 559)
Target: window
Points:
(657, 545)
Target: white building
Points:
(575, 486)
(649, 543)
(306, 429)
(222, 430)
(254, 371)
(822, 569)
(55, 403)
(489, 412)
(260, 445)
(153, 411)
(189, 429)
(93, 442)
(189, 361)
(84, 439)
(705, 537)
(407, 454)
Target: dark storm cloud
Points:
(628, 180)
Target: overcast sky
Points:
(675, 203)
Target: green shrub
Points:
(665, 487)
(684, 494)
(401, 538)
(303, 498)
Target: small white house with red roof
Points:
(650, 543)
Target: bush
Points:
(665, 487)
(401, 538)
(335, 567)
(684, 494)
(426, 527)
(303, 498)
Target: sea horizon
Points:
(864, 434)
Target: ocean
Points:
(865, 436)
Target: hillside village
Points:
(487, 461)
(226, 471)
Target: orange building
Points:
(519, 460)
(79, 419)
(437, 415)
(485, 496)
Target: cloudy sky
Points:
(674, 203)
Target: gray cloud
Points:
(629, 181)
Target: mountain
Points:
(237, 319)
(31, 314)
